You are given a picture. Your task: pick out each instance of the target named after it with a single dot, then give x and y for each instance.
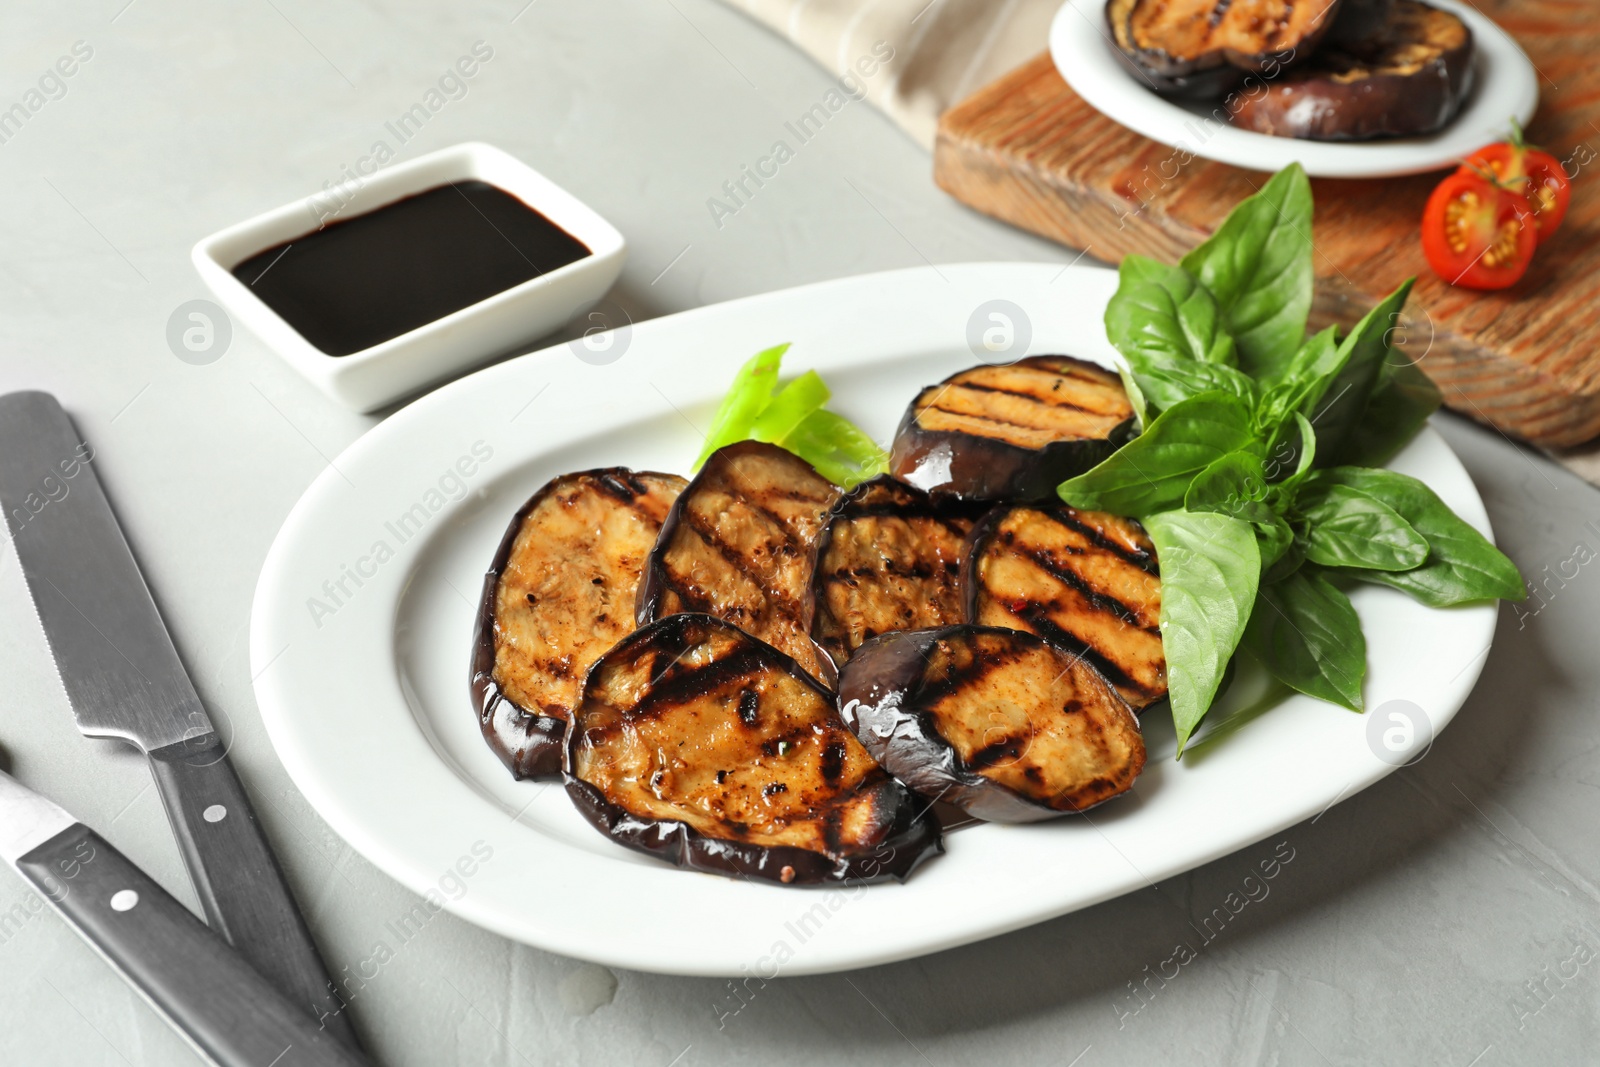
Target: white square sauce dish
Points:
(383, 286)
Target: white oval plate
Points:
(363, 618)
(1505, 86)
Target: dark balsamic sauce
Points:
(361, 281)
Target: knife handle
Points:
(241, 887)
(205, 988)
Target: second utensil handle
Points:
(204, 988)
(246, 899)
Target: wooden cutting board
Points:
(1028, 150)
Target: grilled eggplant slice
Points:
(705, 747)
(1011, 432)
(1407, 74)
(1195, 39)
(890, 559)
(1085, 581)
(1208, 81)
(1004, 725)
(560, 591)
(740, 544)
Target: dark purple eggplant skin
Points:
(985, 469)
(870, 689)
(877, 697)
(529, 744)
(913, 837)
(1316, 103)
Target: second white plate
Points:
(362, 629)
(1506, 86)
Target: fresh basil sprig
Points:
(1252, 474)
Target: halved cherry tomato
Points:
(1477, 233)
(1535, 174)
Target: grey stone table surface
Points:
(1450, 914)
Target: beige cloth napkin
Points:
(937, 52)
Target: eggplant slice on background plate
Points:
(1203, 48)
(1401, 70)
(999, 723)
(1085, 581)
(705, 747)
(1013, 431)
(889, 559)
(560, 592)
(740, 544)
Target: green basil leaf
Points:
(1165, 387)
(1152, 472)
(1462, 565)
(1307, 449)
(1234, 485)
(1163, 313)
(1167, 327)
(1210, 568)
(1347, 528)
(1306, 633)
(1304, 378)
(1290, 561)
(839, 449)
(790, 407)
(744, 401)
(1401, 403)
(1365, 352)
(1274, 539)
(1294, 447)
(1258, 267)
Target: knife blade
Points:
(202, 987)
(124, 680)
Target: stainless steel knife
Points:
(124, 680)
(202, 986)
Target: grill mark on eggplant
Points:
(739, 544)
(1098, 599)
(1010, 747)
(1051, 412)
(934, 691)
(678, 687)
(1145, 561)
(788, 795)
(1011, 432)
(1030, 733)
(1068, 577)
(1057, 404)
(1040, 622)
(888, 559)
(624, 486)
(1004, 431)
(781, 601)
